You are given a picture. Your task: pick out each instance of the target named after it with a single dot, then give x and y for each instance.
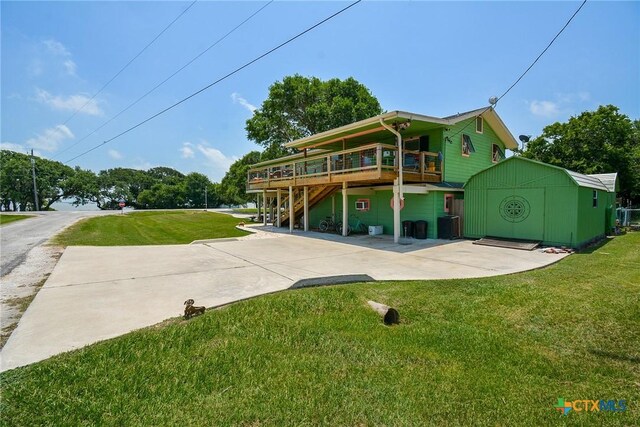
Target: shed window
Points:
(595, 199)
(479, 124)
(467, 145)
(496, 153)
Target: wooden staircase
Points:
(316, 195)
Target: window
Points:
(467, 145)
(496, 153)
(479, 124)
(362, 204)
(595, 198)
(448, 203)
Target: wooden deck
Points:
(368, 165)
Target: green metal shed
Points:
(520, 198)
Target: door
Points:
(515, 213)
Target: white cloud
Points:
(80, 103)
(114, 154)
(564, 104)
(56, 47)
(50, 138)
(187, 151)
(59, 51)
(70, 66)
(12, 147)
(544, 108)
(215, 161)
(238, 99)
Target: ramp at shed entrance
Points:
(526, 245)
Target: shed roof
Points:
(610, 180)
(419, 123)
(586, 180)
(582, 180)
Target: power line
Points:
(129, 63)
(528, 68)
(219, 80)
(164, 81)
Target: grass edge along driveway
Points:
(491, 351)
(9, 218)
(149, 228)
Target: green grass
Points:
(149, 228)
(8, 218)
(246, 210)
(490, 351)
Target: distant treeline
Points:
(156, 188)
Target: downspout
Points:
(399, 143)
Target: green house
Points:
(523, 199)
(382, 171)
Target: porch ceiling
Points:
(368, 130)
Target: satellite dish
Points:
(524, 138)
(493, 100)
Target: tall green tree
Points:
(16, 181)
(194, 190)
(600, 141)
(301, 106)
(234, 183)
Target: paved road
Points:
(18, 238)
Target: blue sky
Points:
(434, 58)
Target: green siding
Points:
(427, 207)
(561, 208)
(591, 221)
(458, 168)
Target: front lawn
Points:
(483, 352)
(8, 218)
(149, 228)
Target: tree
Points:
(163, 196)
(301, 106)
(234, 183)
(16, 181)
(194, 186)
(82, 187)
(165, 175)
(600, 141)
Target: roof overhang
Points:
(372, 128)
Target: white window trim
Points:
(493, 160)
(481, 125)
(469, 146)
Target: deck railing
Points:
(380, 157)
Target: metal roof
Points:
(586, 180)
(610, 180)
(582, 180)
(372, 126)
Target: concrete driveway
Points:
(96, 293)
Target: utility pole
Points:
(33, 172)
(206, 205)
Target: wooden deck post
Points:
(291, 206)
(345, 209)
(306, 208)
(278, 205)
(264, 207)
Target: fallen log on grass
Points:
(389, 315)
